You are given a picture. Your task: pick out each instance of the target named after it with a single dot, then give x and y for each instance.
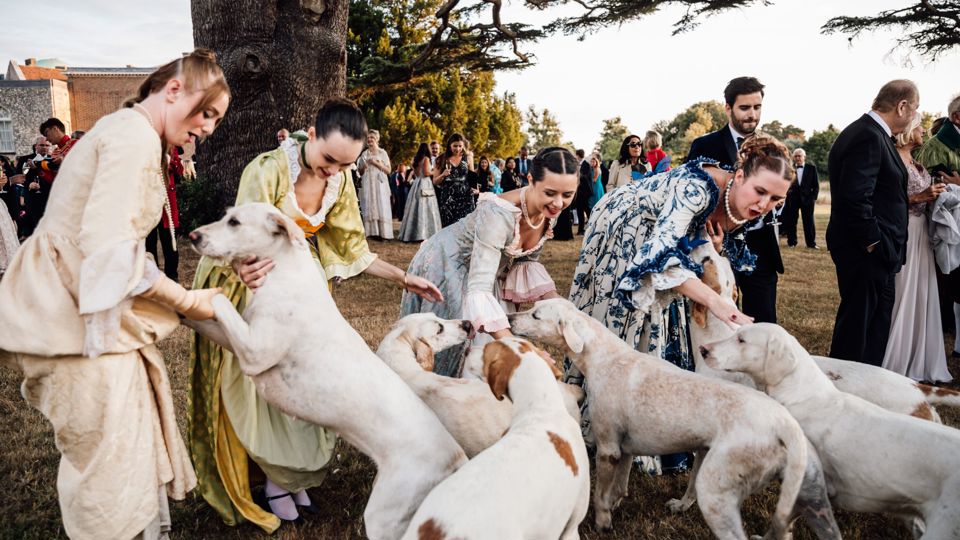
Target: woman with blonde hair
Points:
(915, 347)
(374, 166)
(83, 308)
(652, 145)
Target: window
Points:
(7, 145)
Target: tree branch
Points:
(929, 27)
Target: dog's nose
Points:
(195, 237)
(704, 352)
(467, 326)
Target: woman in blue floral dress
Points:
(635, 273)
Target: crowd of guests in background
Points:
(443, 183)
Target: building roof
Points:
(137, 71)
(36, 73)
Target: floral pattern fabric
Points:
(454, 195)
(637, 249)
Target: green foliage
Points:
(431, 105)
(543, 129)
(818, 147)
(197, 202)
(698, 119)
(611, 137)
(783, 133)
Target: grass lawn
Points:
(807, 303)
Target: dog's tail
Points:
(935, 395)
(795, 442)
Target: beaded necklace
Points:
(163, 183)
(726, 204)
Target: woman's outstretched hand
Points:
(422, 288)
(727, 311)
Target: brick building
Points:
(34, 91)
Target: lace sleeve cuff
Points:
(485, 312)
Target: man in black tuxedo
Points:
(867, 232)
(801, 200)
(758, 290)
(524, 164)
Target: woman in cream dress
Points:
(374, 166)
(229, 422)
(83, 308)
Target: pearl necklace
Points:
(726, 204)
(523, 210)
(163, 184)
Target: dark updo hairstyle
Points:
(762, 151)
(555, 159)
(343, 115)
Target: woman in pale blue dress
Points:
(487, 262)
(421, 215)
(635, 273)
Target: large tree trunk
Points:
(282, 59)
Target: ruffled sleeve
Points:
(124, 204)
(342, 242)
(740, 257)
(495, 229)
(663, 260)
(527, 281)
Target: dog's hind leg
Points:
(621, 479)
(607, 461)
(719, 494)
(690, 496)
(813, 501)
(945, 522)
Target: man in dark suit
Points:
(524, 164)
(867, 232)
(801, 200)
(758, 290)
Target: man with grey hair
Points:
(867, 232)
(801, 200)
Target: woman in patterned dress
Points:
(454, 193)
(230, 425)
(635, 272)
(488, 262)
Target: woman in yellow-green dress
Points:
(305, 178)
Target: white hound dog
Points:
(309, 362)
(534, 482)
(874, 460)
(640, 405)
(882, 387)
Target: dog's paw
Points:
(604, 520)
(678, 506)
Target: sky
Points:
(637, 71)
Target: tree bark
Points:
(282, 60)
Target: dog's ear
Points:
(499, 363)
(782, 355)
(711, 279)
(286, 226)
(570, 335)
(424, 353)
